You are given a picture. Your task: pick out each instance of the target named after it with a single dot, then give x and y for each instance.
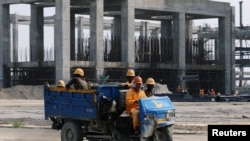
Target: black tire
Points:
(162, 134)
(71, 132)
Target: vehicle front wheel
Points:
(162, 134)
(71, 131)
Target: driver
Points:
(133, 95)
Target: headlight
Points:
(149, 117)
(170, 114)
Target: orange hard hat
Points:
(137, 80)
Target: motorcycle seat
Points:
(124, 114)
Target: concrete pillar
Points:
(14, 21)
(144, 29)
(72, 35)
(62, 40)
(233, 49)
(217, 51)
(80, 38)
(36, 34)
(4, 45)
(225, 47)
(166, 29)
(116, 30)
(116, 36)
(155, 32)
(96, 37)
(127, 30)
(112, 29)
(189, 29)
(179, 44)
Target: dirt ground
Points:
(195, 116)
(23, 105)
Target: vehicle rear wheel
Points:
(71, 132)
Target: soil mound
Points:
(36, 92)
(22, 92)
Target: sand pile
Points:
(22, 92)
(36, 92)
(161, 89)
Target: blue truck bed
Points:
(76, 104)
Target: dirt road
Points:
(192, 117)
(26, 112)
(36, 134)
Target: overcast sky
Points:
(245, 11)
(23, 9)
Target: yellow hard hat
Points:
(150, 81)
(130, 72)
(79, 71)
(60, 83)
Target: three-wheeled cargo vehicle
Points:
(98, 114)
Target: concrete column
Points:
(62, 40)
(72, 35)
(116, 31)
(96, 36)
(155, 32)
(144, 29)
(112, 29)
(14, 21)
(189, 29)
(225, 44)
(233, 49)
(217, 51)
(4, 44)
(166, 29)
(80, 38)
(36, 34)
(128, 30)
(179, 44)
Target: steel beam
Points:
(21, 1)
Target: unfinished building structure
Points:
(170, 59)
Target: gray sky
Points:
(245, 11)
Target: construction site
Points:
(169, 49)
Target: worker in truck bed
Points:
(133, 95)
(60, 84)
(130, 75)
(78, 80)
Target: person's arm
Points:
(129, 98)
(85, 85)
(69, 83)
(142, 94)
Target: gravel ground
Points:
(195, 116)
(192, 117)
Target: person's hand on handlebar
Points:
(136, 102)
